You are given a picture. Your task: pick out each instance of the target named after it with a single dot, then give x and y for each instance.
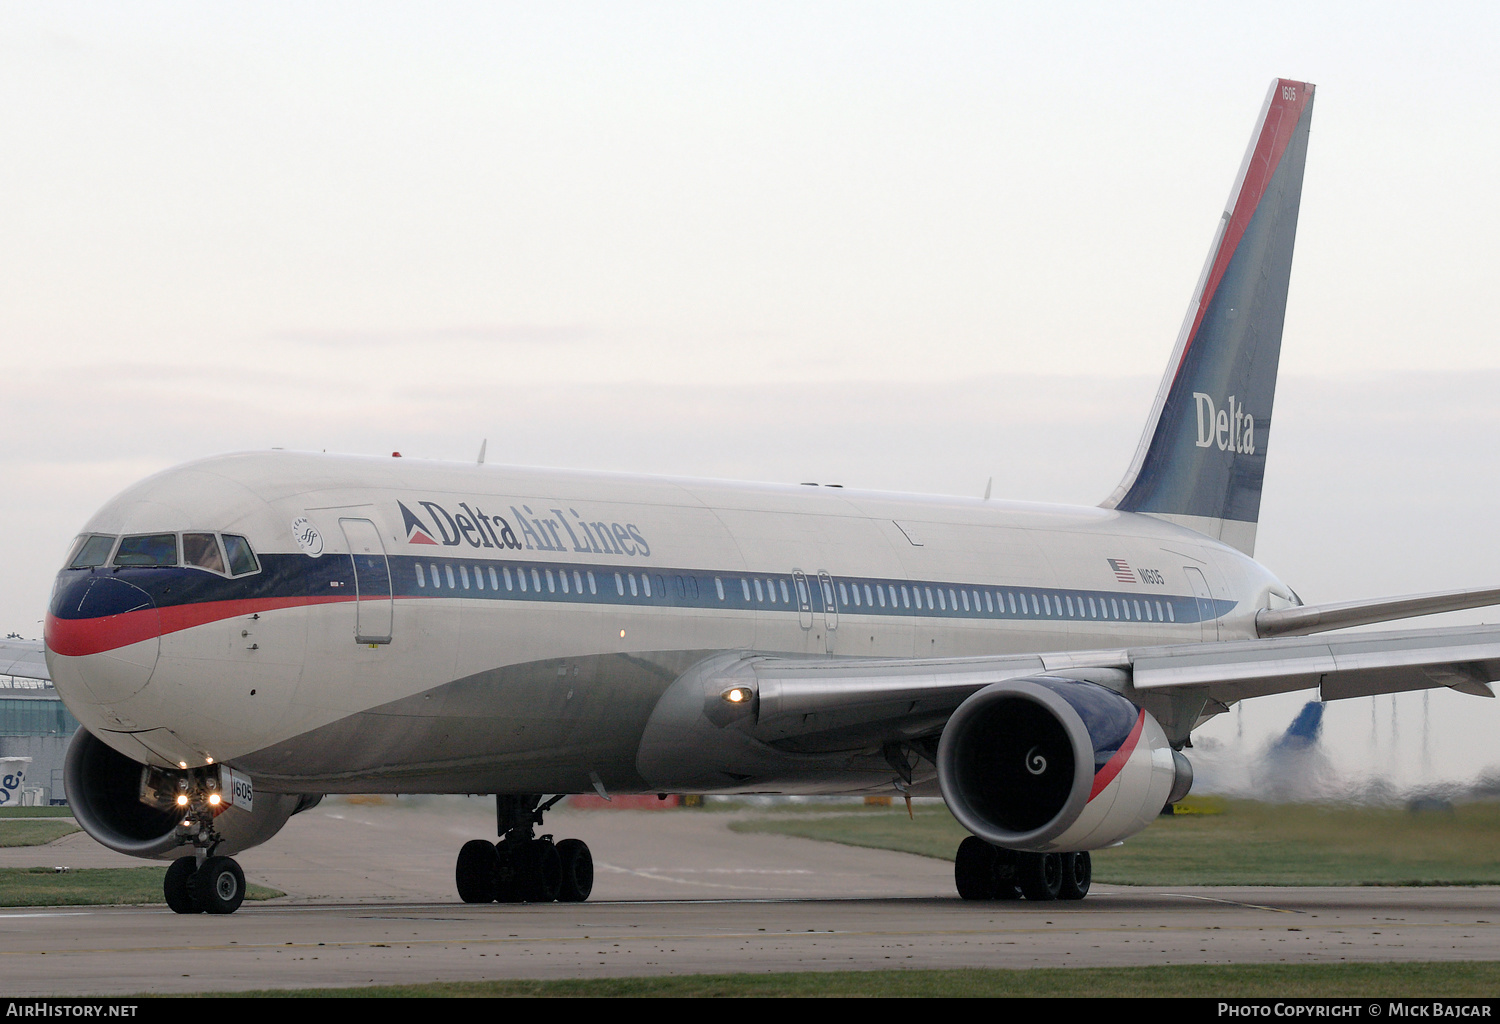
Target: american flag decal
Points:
(1121, 569)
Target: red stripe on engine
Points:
(75, 638)
(1104, 776)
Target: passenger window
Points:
(942, 602)
(646, 584)
(448, 572)
(536, 580)
(745, 586)
(880, 593)
(719, 586)
(758, 595)
(965, 595)
(551, 583)
(1171, 614)
(989, 604)
(619, 585)
(436, 581)
(241, 558)
(562, 577)
(633, 591)
(592, 588)
(421, 576)
(869, 601)
(1093, 614)
(577, 582)
(463, 571)
(521, 579)
(494, 580)
(905, 598)
(479, 577)
(930, 602)
(785, 597)
(505, 569)
(149, 549)
(843, 595)
(202, 550)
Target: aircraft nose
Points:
(104, 635)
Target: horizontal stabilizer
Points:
(1319, 618)
(24, 658)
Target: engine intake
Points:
(1047, 764)
(105, 790)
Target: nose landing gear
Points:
(200, 883)
(524, 867)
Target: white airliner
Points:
(242, 634)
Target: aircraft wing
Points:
(24, 658)
(824, 703)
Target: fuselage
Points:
(344, 624)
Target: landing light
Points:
(738, 695)
(182, 800)
(214, 799)
(182, 764)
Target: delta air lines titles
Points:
(563, 530)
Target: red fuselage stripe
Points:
(78, 637)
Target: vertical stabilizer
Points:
(1202, 457)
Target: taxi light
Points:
(214, 799)
(737, 695)
(182, 800)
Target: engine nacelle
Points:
(1048, 764)
(105, 790)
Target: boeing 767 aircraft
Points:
(245, 633)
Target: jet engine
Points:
(127, 806)
(1047, 764)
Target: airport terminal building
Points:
(35, 724)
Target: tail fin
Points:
(1202, 457)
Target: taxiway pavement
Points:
(370, 900)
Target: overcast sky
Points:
(892, 245)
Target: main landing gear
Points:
(985, 872)
(524, 867)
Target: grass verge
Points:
(44, 887)
(1399, 980)
(1246, 843)
(34, 832)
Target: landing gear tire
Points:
(1077, 873)
(476, 871)
(219, 886)
(177, 886)
(1039, 875)
(577, 871)
(974, 869)
(1006, 862)
(539, 872)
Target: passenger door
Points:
(373, 604)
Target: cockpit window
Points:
(241, 558)
(202, 550)
(148, 549)
(91, 550)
